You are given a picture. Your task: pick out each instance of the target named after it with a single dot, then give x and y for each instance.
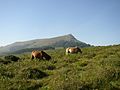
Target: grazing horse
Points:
(40, 55)
(73, 50)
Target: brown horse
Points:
(40, 55)
(73, 50)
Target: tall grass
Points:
(97, 68)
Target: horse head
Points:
(45, 55)
(78, 49)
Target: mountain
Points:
(60, 41)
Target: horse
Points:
(40, 55)
(73, 50)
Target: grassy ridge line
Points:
(48, 43)
(96, 68)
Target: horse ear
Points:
(42, 52)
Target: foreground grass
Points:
(97, 68)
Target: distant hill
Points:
(49, 43)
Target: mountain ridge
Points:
(59, 41)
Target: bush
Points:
(5, 73)
(20, 85)
(4, 61)
(12, 58)
(33, 73)
(51, 67)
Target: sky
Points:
(96, 22)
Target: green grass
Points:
(97, 68)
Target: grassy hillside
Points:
(97, 68)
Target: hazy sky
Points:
(96, 22)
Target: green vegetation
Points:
(97, 68)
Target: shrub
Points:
(5, 73)
(12, 58)
(33, 73)
(20, 85)
(51, 67)
(4, 61)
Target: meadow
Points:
(97, 68)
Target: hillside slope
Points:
(97, 68)
(61, 41)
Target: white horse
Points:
(73, 50)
